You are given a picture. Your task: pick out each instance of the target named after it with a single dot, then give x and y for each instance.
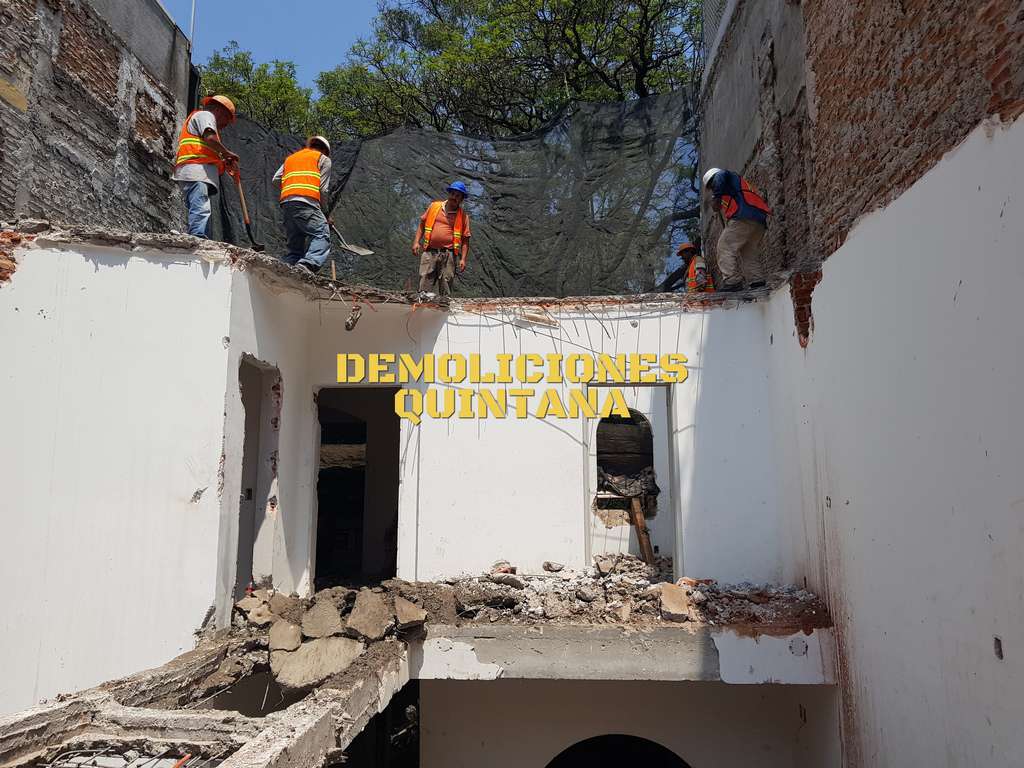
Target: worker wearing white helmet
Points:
(745, 214)
(305, 177)
(202, 158)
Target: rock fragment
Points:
(408, 614)
(261, 616)
(508, 579)
(371, 616)
(285, 636)
(286, 607)
(314, 662)
(605, 564)
(248, 604)
(322, 620)
(555, 608)
(675, 605)
(551, 567)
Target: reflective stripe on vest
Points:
(302, 175)
(730, 206)
(691, 280)
(192, 150)
(457, 230)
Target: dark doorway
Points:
(392, 738)
(357, 487)
(614, 751)
(261, 390)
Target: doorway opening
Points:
(391, 738)
(261, 391)
(613, 751)
(627, 491)
(357, 486)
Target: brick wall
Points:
(897, 85)
(86, 133)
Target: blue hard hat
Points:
(458, 186)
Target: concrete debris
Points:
(314, 662)
(408, 614)
(675, 603)
(261, 615)
(551, 567)
(285, 636)
(322, 620)
(371, 615)
(508, 579)
(248, 604)
(503, 566)
(288, 607)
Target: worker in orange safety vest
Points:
(202, 158)
(745, 214)
(305, 178)
(441, 238)
(697, 278)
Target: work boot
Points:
(758, 284)
(305, 267)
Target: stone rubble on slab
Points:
(285, 636)
(371, 615)
(408, 614)
(314, 662)
(322, 620)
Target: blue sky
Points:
(315, 34)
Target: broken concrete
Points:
(371, 616)
(285, 636)
(322, 620)
(408, 614)
(314, 662)
(675, 605)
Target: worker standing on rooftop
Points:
(305, 178)
(697, 278)
(201, 160)
(746, 221)
(443, 235)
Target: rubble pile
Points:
(311, 641)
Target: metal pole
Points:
(192, 26)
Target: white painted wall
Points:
(467, 724)
(900, 444)
(475, 491)
(113, 390)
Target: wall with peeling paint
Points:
(900, 434)
(466, 724)
(113, 393)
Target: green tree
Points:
(503, 68)
(269, 93)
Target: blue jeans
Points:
(197, 199)
(308, 235)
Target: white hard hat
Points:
(321, 140)
(711, 173)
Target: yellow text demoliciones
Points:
(464, 403)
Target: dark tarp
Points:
(590, 205)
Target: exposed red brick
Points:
(896, 89)
(8, 241)
(801, 288)
(86, 54)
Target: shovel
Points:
(358, 250)
(258, 247)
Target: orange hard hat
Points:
(224, 101)
(684, 248)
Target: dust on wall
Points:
(86, 132)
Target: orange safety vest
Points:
(730, 206)
(691, 280)
(460, 224)
(302, 175)
(192, 150)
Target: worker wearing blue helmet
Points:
(442, 237)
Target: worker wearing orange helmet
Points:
(202, 158)
(697, 278)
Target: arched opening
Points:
(627, 491)
(615, 750)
